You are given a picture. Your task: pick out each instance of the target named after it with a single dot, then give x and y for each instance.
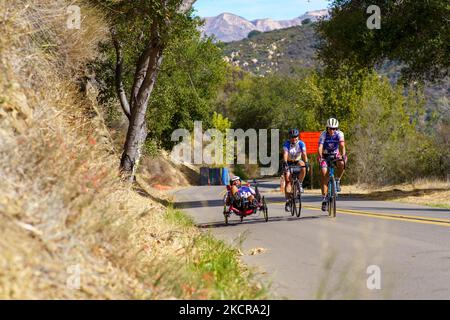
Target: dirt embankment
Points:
(433, 193)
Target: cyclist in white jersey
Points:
(330, 141)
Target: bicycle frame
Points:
(331, 181)
(295, 188)
(332, 194)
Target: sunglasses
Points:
(333, 129)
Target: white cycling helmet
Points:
(235, 178)
(332, 123)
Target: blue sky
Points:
(256, 9)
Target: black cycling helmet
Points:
(293, 133)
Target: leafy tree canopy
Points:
(416, 33)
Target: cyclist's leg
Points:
(339, 172)
(287, 190)
(287, 184)
(302, 174)
(339, 169)
(324, 180)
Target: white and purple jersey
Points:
(331, 143)
(246, 191)
(294, 150)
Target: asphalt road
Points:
(371, 250)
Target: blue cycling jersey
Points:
(294, 150)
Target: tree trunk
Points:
(137, 129)
(144, 80)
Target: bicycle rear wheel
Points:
(330, 196)
(334, 206)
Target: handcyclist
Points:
(331, 143)
(240, 192)
(294, 153)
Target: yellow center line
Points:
(387, 216)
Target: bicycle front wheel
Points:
(292, 197)
(334, 206)
(297, 200)
(332, 199)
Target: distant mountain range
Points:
(229, 27)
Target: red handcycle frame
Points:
(229, 209)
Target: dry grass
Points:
(160, 172)
(429, 192)
(63, 207)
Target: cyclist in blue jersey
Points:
(294, 153)
(330, 141)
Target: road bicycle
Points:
(332, 193)
(295, 198)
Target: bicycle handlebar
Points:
(331, 161)
(292, 171)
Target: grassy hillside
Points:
(70, 227)
(284, 51)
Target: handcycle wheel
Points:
(225, 213)
(265, 211)
(258, 195)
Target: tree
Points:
(415, 33)
(306, 21)
(387, 145)
(191, 75)
(253, 33)
(141, 30)
(275, 102)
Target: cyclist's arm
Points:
(342, 147)
(285, 156)
(320, 151)
(304, 157)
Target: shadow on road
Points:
(408, 209)
(198, 204)
(234, 223)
